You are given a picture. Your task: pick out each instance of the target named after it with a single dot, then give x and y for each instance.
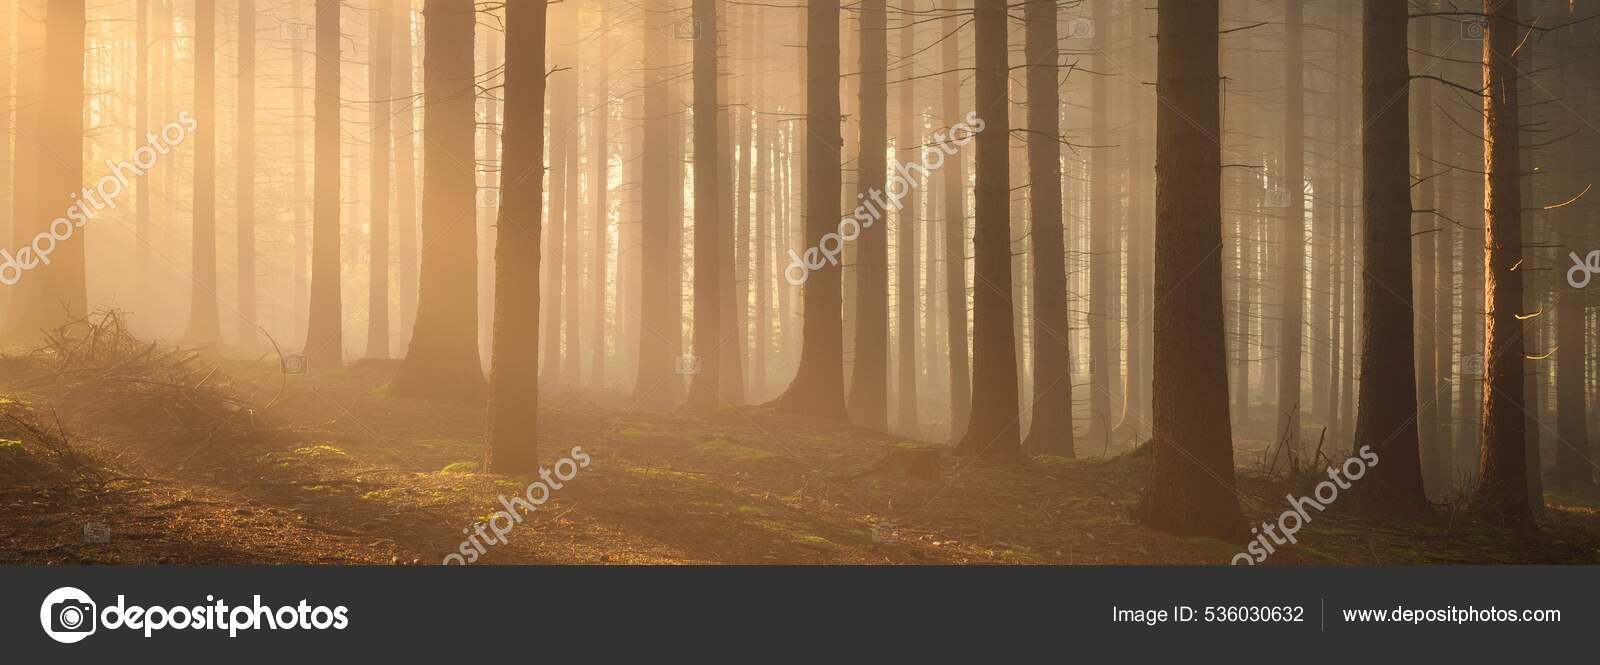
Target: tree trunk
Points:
(379, 78)
(1424, 225)
(1191, 490)
(1102, 236)
(1386, 412)
(869, 382)
(324, 346)
(1050, 431)
(993, 430)
(818, 386)
(512, 429)
(955, 236)
(906, 222)
(656, 386)
(600, 193)
(442, 362)
(1502, 490)
(204, 327)
(405, 170)
(704, 391)
(1291, 327)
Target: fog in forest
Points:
(888, 281)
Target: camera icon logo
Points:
(1472, 29)
(687, 363)
(1080, 28)
(68, 615)
(294, 363)
(688, 28)
(489, 198)
(96, 532)
(293, 30)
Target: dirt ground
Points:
(123, 459)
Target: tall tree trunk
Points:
(245, 193)
(1291, 328)
(955, 236)
(1502, 490)
(656, 386)
(204, 327)
(141, 129)
(23, 321)
(512, 429)
(302, 240)
(1443, 152)
(379, 78)
(405, 169)
(600, 193)
(1050, 431)
(908, 149)
(993, 430)
(1425, 230)
(869, 382)
(1191, 490)
(442, 362)
(1102, 236)
(562, 112)
(704, 386)
(818, 386)
(1386, 417)
(324, 347)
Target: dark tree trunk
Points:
(818, 386)
(1191, 490)
(993, 430)
(869, 382)
(1387, 403)
(512, 430)
(1050, 431)
(442, 361)
(1502, 490)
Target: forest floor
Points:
(117, 452)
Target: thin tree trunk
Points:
(704, 386)
(908, 149)
(405, 170)
(324, 346)
(204, 326)
(955, 237)
(600, 193)
(1291, 328)
(379, 78)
